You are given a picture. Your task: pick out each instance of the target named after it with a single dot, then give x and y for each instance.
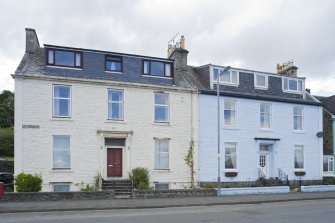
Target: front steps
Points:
(122, 188)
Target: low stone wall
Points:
(57, 196)
(174, 193)
(254, 190)
(318, 188)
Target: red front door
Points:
(114, 162)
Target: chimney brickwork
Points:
(31, 41)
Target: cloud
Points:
(255, 34)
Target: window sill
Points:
(266, 130)
(67, 119)
(228, 84)
(61, 67)
(113, 72)
(230, 171)
(230, 128)
(292, 92)
(115, 121)
(162, 123)
(162, 170)
(148, 75)
(298, 132)
(65, 170)
(261, 88)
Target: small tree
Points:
(189, 160)
(140, 178)
(28, 183)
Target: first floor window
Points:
(229, 113)
(297, 118)
(61, 152)
(161, 154)
(298, 157)
(61, 187)
(115, 104)
(61, 101)
(161, 107)
(328, 163)
(230, 155)
(161, 186)
(265, 114)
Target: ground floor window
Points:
(61, 187)
(161, 186)
(161, 154)
(328, 163)
(230, 155)
(298, 157)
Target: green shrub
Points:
(87, 188)
(143, 186)
(208, 185)
(28, 183)
(6, 142)
(329, 180)
(140, 177)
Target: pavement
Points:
(83, 205)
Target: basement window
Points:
(162, 186)
(61, 187)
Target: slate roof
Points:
(328, 103)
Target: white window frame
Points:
(158, 167)
(121, 103)
(230, 82)
(61, 98)
(259, 86)
(161, 184)
(53, 151)
(264, 113)
(61, 184)
(232, 112)
(167, 120)
(236, 158)
(330, 159)
(288, 85)
(299, 147)
(301, 117)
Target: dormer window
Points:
(229, 78)
(113, 63)
(64, 58)
(292, 85)
(157, 68)
(261, 81)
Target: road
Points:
(320, 211)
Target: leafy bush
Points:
(6, 141)
(87, 188)
(28, 183)
(208, 185)
(140, 177)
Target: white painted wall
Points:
(33, 147)
(248, 128)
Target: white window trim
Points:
(270, 116)
(303, 153)
(53, 101)
(162, 105)
(302, 119)
(292, 91)
(110, 101)
(168, 142)
(224, 108)
(266, 82)
(230, 74)
(224, 157)
(52, 157)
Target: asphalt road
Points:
(320, 211)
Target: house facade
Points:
(80, 113)
(270, 127)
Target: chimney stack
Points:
(287, 69)
(178, 52)
(31, 41)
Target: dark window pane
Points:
(157, 68)
(293, 85)
(114, 142)
(114, 58)
(64, 58)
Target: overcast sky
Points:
(254, 34)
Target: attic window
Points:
(292, 85)
(229, 77)
(261, 81)
(157, 68)
(64, 58)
